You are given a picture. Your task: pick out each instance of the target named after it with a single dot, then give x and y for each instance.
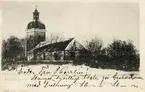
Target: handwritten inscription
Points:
(63, 76)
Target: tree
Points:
(4, 49)
(23, 45)
(95, 46)
(123, 52)
(12, 48)
(121, 48)
(53, 38)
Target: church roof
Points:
(35, 24)
(58, 46)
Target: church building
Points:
(38, 48)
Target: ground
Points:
(21, 79)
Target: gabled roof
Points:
(75, 45)
(58, 46)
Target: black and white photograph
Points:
(70, 46)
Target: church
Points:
(38, 48)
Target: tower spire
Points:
(36, 14)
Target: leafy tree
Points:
(4, 49)
(12, 48)
(122, 51)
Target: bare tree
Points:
(55, 38)
(95, 45)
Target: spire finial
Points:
(36, 14)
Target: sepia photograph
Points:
(59, 45)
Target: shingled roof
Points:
(58, 46)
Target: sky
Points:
(81, 20)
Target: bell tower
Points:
(35, 33)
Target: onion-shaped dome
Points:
(36, 24)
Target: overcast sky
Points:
(75, 19)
